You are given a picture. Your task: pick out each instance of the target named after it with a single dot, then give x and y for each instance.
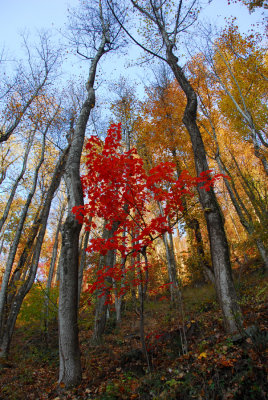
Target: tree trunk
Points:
(207, 270)
(70, 365)
(119, 299)
(218, 241)
(17, 181)
(193, 224)
(142, 292)
(51, 272)
(15, 243)
(69, 351)
(82, 264)
(259, 207)
(101, 308)
(246, 222)
(264, 254)
(172, 271)
(26, 256)
(12, 310)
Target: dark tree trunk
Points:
(101, 308)
(207, 270)
(70, 367)
(82, 263)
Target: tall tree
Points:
(213, 121)
(52, 268)
(94, 34)
(165, 24)
(14, 301)
(165, 135)
(15, 243)
(238, 68)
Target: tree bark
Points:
(15, 243)
(172, 267)
(142, 288)
(51, 272)
(13, 309)
(17, 181)
(217, 237)
(82, 263)
(207, 270)
(246, 222)
(155, 12)
(70, 364)
(101, 308)
(119, 299)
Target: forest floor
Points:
(215, 366)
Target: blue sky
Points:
(17, 16)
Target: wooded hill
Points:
(141, 251)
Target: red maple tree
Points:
(118, 189)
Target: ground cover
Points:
(215, 366)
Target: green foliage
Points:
(200, 299)
(32, 310)
(118, 388)
(111, 324)
(151, 386)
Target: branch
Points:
(131, 37)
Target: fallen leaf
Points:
(202, 355)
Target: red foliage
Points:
(118, 189)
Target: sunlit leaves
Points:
(118, 189)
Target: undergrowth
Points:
(216, 366)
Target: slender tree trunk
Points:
(15, 243)
(13, 309)
(101, 307)
(217, 237)
(133, 274)
(19, 274)
(51, 272)
(57, 275)
(82, 263)
(246, 222)
(119, 299)
(207, 270)
(259, 207)
(17, 181)
(171, 261)
(142, 292)
(193, 224)
(70, 367)
(264, 254)
(172, 269)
